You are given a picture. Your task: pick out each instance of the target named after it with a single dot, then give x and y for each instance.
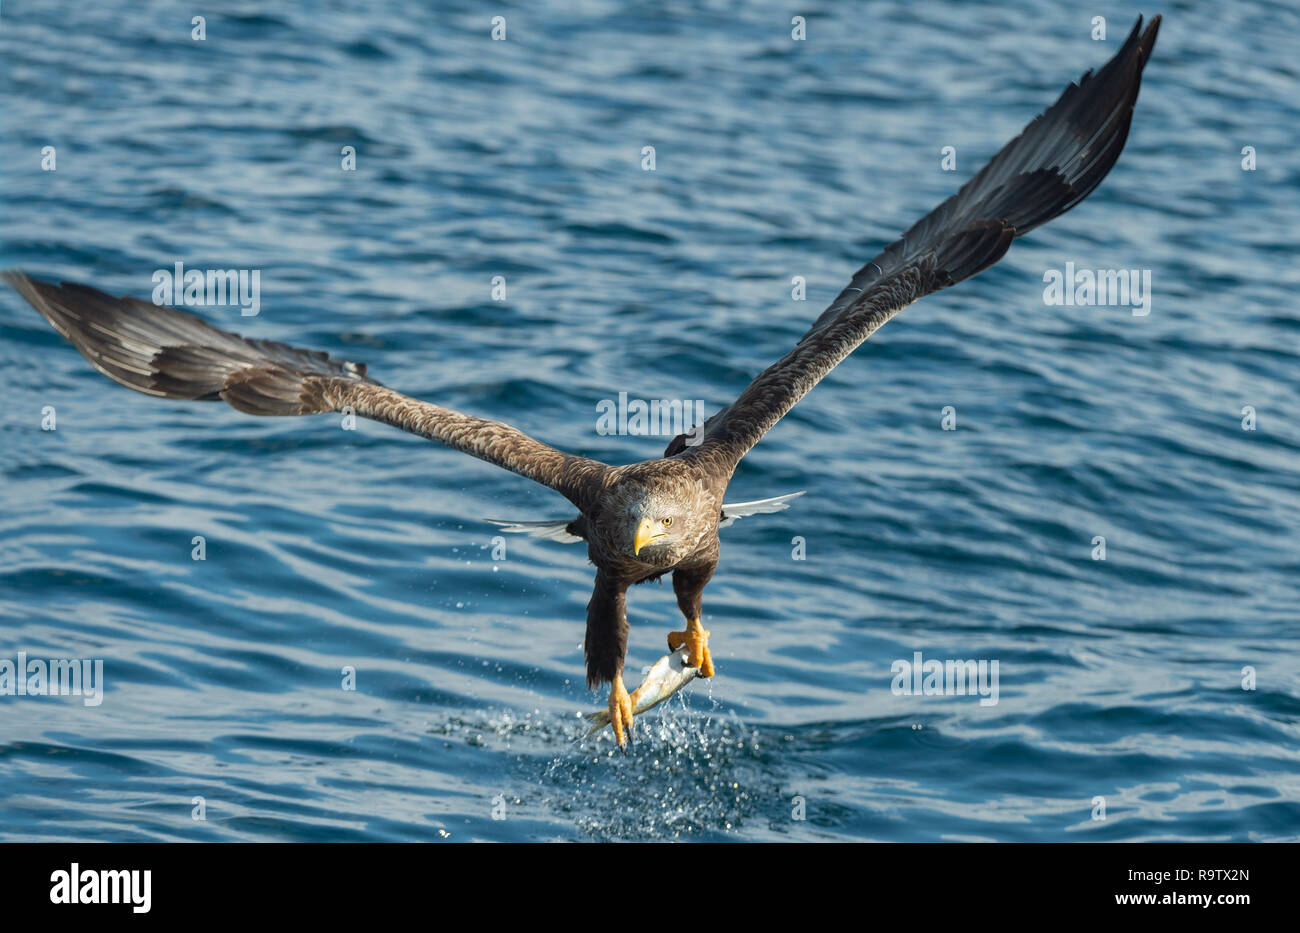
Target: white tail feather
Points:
(734, 510)
(552, 531)
(558, 530)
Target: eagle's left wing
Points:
(1059, 159)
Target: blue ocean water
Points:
(1119, 679)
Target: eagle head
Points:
(657, 523)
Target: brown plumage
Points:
(642, 520)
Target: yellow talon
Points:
(696, 639)
(620, 711)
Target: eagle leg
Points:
(620, 711)
(688, 584)
(696, 640)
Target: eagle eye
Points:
(667, 522)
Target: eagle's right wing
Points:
(171, 354)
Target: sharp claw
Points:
(620, 713)
(696, 640)
(706, 664)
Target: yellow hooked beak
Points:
(645, 533)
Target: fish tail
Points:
(599, 720)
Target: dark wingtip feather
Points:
(1059, 158)
(166, 352)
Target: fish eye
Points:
(667, 522)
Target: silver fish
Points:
(668, 675)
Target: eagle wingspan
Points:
(171, 354)
(1056, 162)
